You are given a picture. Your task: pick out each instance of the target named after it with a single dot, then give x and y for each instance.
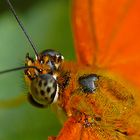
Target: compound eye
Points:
(44, 90)
(34, 103)
(50, 52)
(54, 59)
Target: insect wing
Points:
(107, 35)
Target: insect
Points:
(97, 105)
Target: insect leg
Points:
(13, 102)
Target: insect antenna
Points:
(22, 28)
(18, 68)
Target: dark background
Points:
(49, 24)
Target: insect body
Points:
(96, 102)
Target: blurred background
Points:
(49, 24)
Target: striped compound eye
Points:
(43, 91)
(52, 58)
